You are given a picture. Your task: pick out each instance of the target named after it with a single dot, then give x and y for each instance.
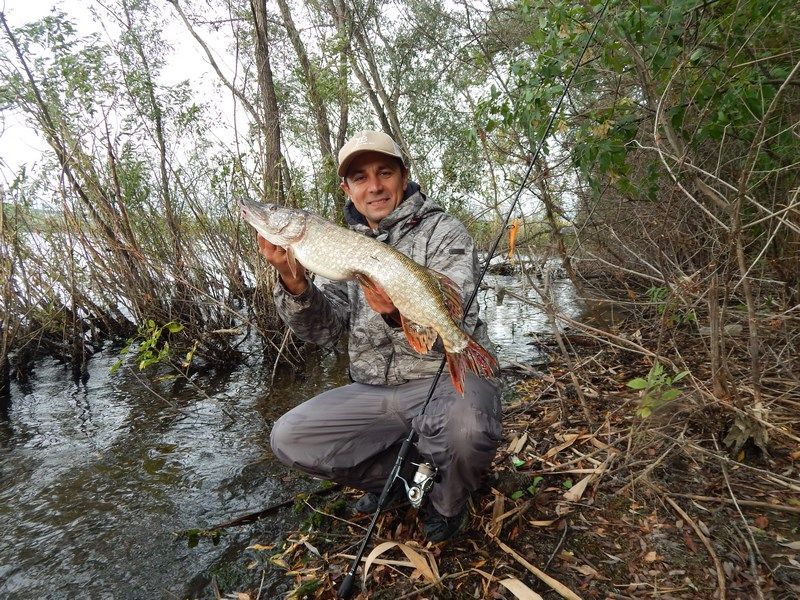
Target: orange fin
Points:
(512, 238)
(451, 295)
(367, 283)
(474, 358)
(421, 338)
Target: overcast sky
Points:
(19, 144)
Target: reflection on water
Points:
(96, 477)
(513, 323)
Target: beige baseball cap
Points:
(367, 141)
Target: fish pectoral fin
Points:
(451, 295)
(367, 283)
(291, 260)
(421, 338)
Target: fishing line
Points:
(347, 583)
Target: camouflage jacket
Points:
(379, 352)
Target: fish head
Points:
(280, 225)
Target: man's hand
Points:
(277, 257)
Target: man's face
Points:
(375, 183)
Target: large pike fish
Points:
(429, 303)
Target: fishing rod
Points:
(423, 478)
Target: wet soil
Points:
(606, 502)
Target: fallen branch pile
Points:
(618, 506)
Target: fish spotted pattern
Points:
(429, 302)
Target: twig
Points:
(752, 503)
(564, 591)
(792, 486)
(560, 542)
(736, 504)
(751, 561)
(550, 311)
(330, 516)
(261, 585)
(425, 588)
(706, 543)
(742, 465)
(648, 470)
(255, 516)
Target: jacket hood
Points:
(414, 204)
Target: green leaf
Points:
(670, 394)
(567, 484)
(517, 462)
(517, 495)
(680, 376)
(192, 539)
(637, 384)
(174, 327)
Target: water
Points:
(95, 478)
(513, 324)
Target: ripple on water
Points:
(95, 478)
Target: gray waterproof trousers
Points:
(352, 434)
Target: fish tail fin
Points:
(473, 358)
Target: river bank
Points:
(98, 474)
(587, 498)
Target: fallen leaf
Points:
(260, 547)
(512, 445)
(762, 522)
(521, 443)
(586, 570)
(689, 542)
(519, 589)
(727, 566)
(651, 556)
(569, 439)
(428, 570)
(576, 491)
(566, 556)
(542, 523)
(279, 562)
(312, 549)
(703, 528)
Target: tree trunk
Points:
(312, 86)
(339, 13)
(173, 225)
(389, 111)
(552, 212)
(273, 179)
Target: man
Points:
(352, 434)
